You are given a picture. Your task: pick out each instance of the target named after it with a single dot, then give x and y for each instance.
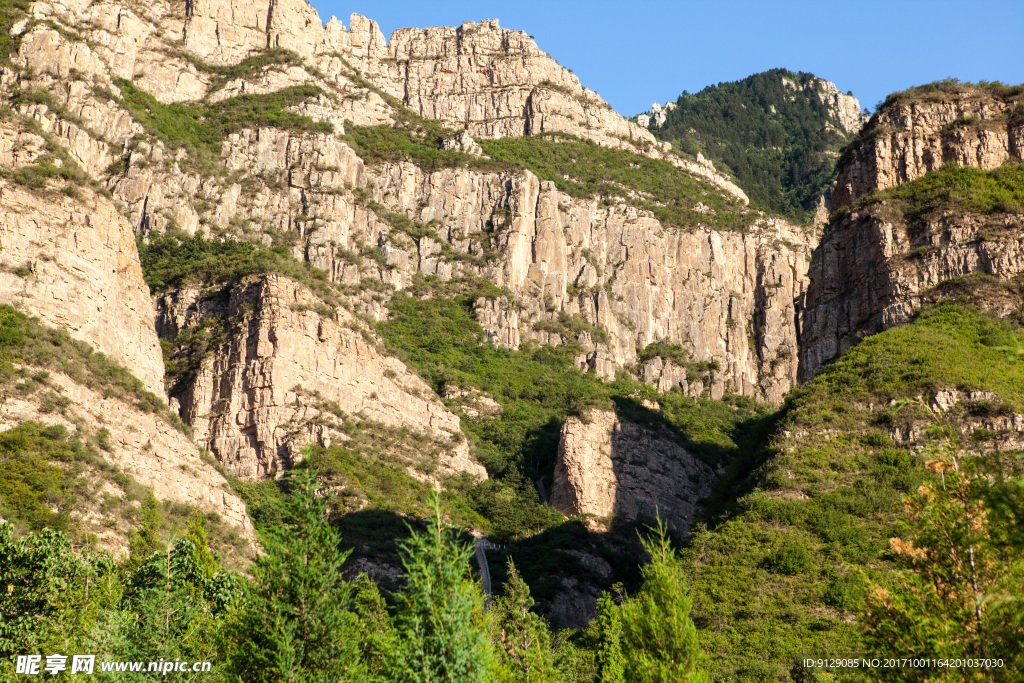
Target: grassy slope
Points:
(777, 577)
(951, 189)
(577, 167)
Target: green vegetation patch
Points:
(201, 128)
(951, 189)
(11, 11)
(695, 370)
(578, 167)
(781, 570)
(947, 87)
(419, 141)
(780, 144)
(175, 259)
(34, 492)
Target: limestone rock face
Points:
(253, 400)
(869, 274)
(968, 127)
(609, 466)
(73, 263)
(844, 109)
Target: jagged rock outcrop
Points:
(614, 266)
(874, 266)
(843, 108)
(490, 81)
(964, 125)
(979, 416)
(612, 466)
(72, 262)
(258, 398)
(657, 117)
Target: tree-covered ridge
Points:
(778, 139)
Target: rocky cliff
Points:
(922, 130)
(70, 258)
(256, 399)
(610, 467)
(884, 254)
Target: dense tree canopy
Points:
(779, 142)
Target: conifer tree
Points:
(297, 625)
(521, 635)
(659, 640)
(440, 625)
(611, 665)
(377, 633)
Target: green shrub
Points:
(10, 12)
(791, 558)
(36, 175)
(175, 259)
(845, 592)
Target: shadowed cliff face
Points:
(610, 466)
(884, 254)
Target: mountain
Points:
(281, 300)
(778, 133)
(293, 203)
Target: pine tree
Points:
(611, 665)
(441, 630)
(297, 625)
(377, 637)
(659, 640)
(522, 635)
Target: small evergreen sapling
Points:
(297, 625)
(659, 639)
(522, 635)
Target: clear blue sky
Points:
(635, 53)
